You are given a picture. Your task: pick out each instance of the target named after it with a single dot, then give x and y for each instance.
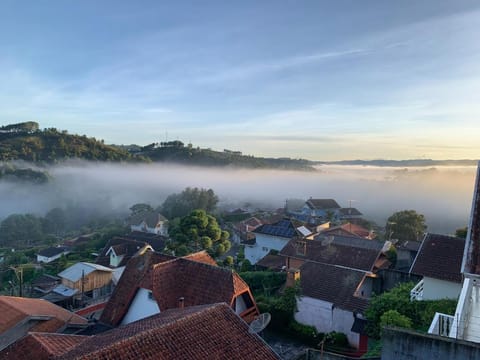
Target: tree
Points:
(140, 208)
(55, 221)
(199, 231)
(405, 225)
(178, 205)
(20, 230)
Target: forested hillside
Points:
(25, 141)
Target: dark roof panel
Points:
(440, 257)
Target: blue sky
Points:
(322, 80)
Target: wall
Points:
(264, 243)
(434, 289)
(326, 318)
(400, 344)
(313, 354)
(143, 305)
(388, 279)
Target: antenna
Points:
(260, 323)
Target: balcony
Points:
(417, 292)
(441, 325)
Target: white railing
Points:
(417, 292)
(442, 324)
(463, 309)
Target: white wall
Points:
(326, 318)
(141, 307)
(45, 259)
(434, 289)
(264, 243)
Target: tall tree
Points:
(405, 225)
(199, 231)
(178, 205)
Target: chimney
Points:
(181, 302)
(292, 276)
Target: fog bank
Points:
(442, 194)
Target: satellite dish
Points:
(260, 323)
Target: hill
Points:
(24, 141)
(177, 152)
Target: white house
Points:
(465, 324)
(51, 254)
(439, 260)
(149, 222)
(331, 299)
(153, 282)
(272, 237)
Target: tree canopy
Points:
(198, 231)
(405, 225)
(178, 205)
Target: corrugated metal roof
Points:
(75, 272)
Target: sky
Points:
(322, 80)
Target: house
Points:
(153, 282)
(51, 254)
(119, 250)
(21, 315)
(85, 279)
(449, 336)
(273, 237)
(349, 229)
(349, 214)
(465, 324)
(242, 231)
(439, 261)
(406, 253)
(150, 222)
(199, 332)
(332, 299)
(321, 208)
(355, 253)
(45, 283)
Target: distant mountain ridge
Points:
(402, 163)
(25, 141)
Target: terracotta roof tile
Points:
(196, 278)
(16, 309)
(200, 332)
(196, 282)
(43, 345)
(440, 257)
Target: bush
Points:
(263, 282)
(394, 318)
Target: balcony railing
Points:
(442, 324)
(417, 292)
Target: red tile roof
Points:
(349, 228)
(196, 282)
(17, 309)
(440, 257)
(137, 271)
(44, 345)
(196, 278)
(200, 332)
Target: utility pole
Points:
(19, 275)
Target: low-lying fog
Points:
(442, 194)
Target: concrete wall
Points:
(434, 289)
(143, 305)
(400, 344)
(326, 318)
(388, 279)
(313, 354)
